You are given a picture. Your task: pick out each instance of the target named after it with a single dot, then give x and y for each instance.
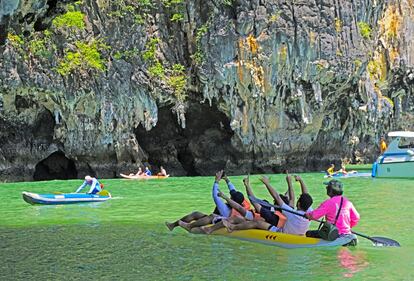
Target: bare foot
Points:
(170, 225)
(228, 225)
(184, 225)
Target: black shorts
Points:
(269, 216)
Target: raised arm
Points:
(249, 192)
(272, 191)
(228, 182)
(291, 191)
(302, 184)
(223, 209)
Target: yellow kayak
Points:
(283, 239)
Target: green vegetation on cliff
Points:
(364, 30)
(86, 57)
(72, 19)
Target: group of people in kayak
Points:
(147, 172)
(235, 212)
(330, 172)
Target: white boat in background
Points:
(398, 160)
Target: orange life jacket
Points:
(282, 219)
(245, 205)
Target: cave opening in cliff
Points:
(55, 166)
(201, 148)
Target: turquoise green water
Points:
(126, 239)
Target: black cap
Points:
(237, 196)
(335, 185)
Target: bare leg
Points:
(248, 225)
(184, 225)
(197, 230)
(202, 221)
(188, 218)
(210, 229)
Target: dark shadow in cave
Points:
(55, 166)
(43, 128)
(203, 147)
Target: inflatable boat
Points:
(64, 198)
(143, 177)
(282, 239)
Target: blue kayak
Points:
(64, 198)
(349, 175)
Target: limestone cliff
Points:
(102, 86)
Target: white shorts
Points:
(274, 229)
(249, 215)
(217, 219)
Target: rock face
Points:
(100, 86)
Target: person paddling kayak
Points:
(338, 210)
(94, 184)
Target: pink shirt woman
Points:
(348, 216)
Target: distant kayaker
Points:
(147, 172)
(382, 145)
(337, 210)
(343, 171)
(331, 170)
(139, 173)
(94, 184)
(163, 172)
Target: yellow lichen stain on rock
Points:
(338, 25)
(252, 42)
(391, 22)
(389, 29)
(377, 67)
(312, 37)
(250, 60)
(246, 119)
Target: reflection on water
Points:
(352, 261)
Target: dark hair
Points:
(237, 196)
(305, 201)
(284, 198)
(334, 192)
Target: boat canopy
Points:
(403, 134)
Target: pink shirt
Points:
(348, 217)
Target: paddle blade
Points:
(104, 193)
(384, 242)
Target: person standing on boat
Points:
(382, 145)
(338, 210)
(94, 184)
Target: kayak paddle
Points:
(378, 241)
